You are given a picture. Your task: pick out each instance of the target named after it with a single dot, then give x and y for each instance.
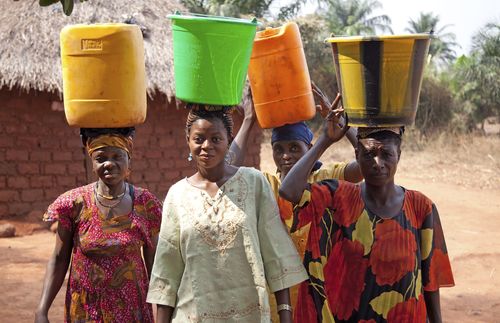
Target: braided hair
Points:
(210, 112)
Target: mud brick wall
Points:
(42, 157)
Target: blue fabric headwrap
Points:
(295, 131)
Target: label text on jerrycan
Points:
(91, 44)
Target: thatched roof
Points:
(29, 38)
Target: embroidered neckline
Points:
(221, 188)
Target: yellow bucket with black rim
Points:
(380, 77)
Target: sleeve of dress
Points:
(316, 198)
(436, 268)
(63, 209)
(153, 213)
(282, 264)
(333, 171)
(169, 264)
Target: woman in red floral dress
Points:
(376, 250)
(102, 228)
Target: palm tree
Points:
(441, 48)
(354, 17)
(487, 41)
(476, 76)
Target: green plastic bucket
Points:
(211, 57)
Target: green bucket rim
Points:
(199, 17)
(351, 39)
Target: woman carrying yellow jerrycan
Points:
(102, 228)
(107, 230)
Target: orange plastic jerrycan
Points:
(104, 77)
(279, 78)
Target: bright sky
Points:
(464, 17)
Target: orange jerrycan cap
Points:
(280, 31)
(269, 32)
(273, 40)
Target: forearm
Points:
(295, 181)
(433, 306)
(239, 144)
(149, 259)
(283, 297)
(351, 135)
(149, 253)
(164, 314)
(54, 278)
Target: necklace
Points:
(110, 206)
(108, 197)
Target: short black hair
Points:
(87, 133)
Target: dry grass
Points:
(465, 160)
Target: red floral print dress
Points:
(108, 281)
(364, 268)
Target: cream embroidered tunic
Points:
(215, 255)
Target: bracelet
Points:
(284, 307)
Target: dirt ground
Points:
(461, 175)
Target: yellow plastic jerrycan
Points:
(104, 77)
(279, 77)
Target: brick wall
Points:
(42, 157)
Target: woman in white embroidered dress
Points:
(221, 239)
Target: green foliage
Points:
(237, 8)
(290, 11)
(313, 30)
(45, 3)
(67, 5)
(477, 76)
(441, 48)
(354, 17)
(342, 17)
(436, 106)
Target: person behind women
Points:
(221, 238)
(290, 143)
(378, 250)
(102, 228)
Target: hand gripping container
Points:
(380, 77)
(104, 78)
(279, 77)
(211, 56)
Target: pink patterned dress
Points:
(108, 281)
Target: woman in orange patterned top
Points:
(376, 250)
(104, 229)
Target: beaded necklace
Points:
(109, 206)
